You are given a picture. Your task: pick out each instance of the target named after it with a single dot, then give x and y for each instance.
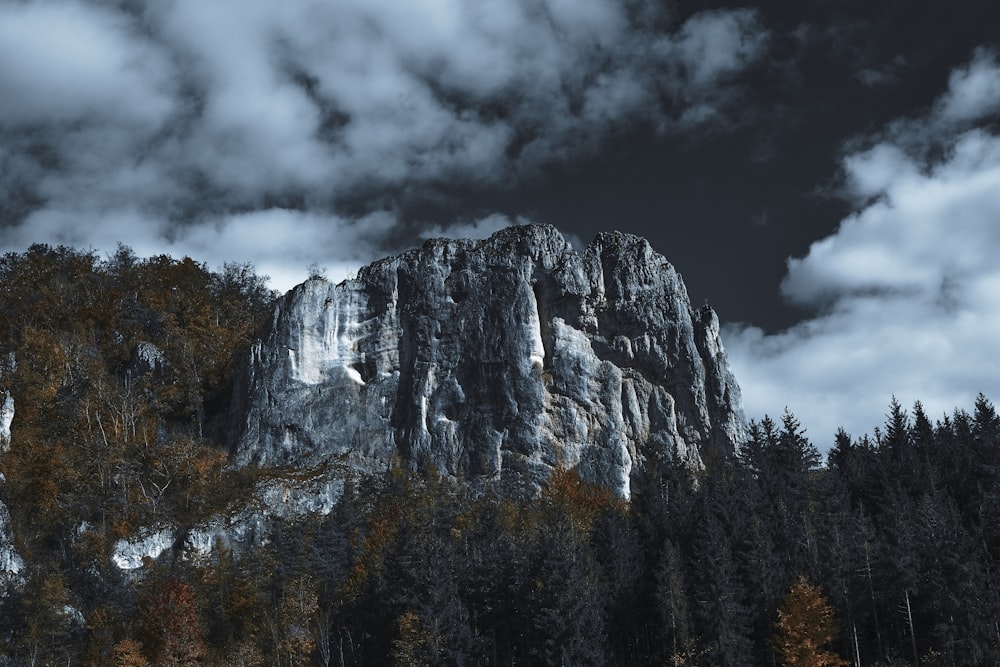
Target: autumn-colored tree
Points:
(128, 653)
(805, 626)
(576, 500)
(171, 624)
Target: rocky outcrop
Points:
(281, 498)
(6, 419)
(277, 500)
(147, 359)
(129, 554)
(7, 368)
(495, 359)
(11, 563)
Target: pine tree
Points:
(805, 626)
(721, 611)
(671, 596)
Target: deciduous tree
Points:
(805, 626)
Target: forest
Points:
(885, 553)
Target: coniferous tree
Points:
(722, 615)
(672, 599)
(627, 588)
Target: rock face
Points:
(6, 419)
(11, 563)
(147, 359)
(495, 359)
(277, 499)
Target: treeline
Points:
(119, 369)
(885, 555)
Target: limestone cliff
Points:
(495, 359)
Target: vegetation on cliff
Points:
(120, 370)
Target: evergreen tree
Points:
(722, 615)
(672, 599)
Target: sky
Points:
(825, 173)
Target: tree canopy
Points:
(121, 369)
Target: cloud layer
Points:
(908, 288)
(251, 130)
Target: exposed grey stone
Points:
(273, 500)
(277, 499)
(11, 563)
(128, 554)
(495, 359)
(147, 359)
(73, 617)
(6, 419)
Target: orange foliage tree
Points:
(805, 626)
(170, 622)
(576, 500)
(128, 653)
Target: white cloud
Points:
(973, 91)
(63, 226)
(871, 172)
(284, 243)
(972, 98)
(67, 61)
(714, 44)
(186, 120)
(908, 288)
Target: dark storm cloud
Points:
(235, 130)
(908, 288)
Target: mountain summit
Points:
(497, 359)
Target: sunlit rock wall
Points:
(495, 359)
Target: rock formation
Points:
(495, 359)
(6, 419)
(11, 563)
